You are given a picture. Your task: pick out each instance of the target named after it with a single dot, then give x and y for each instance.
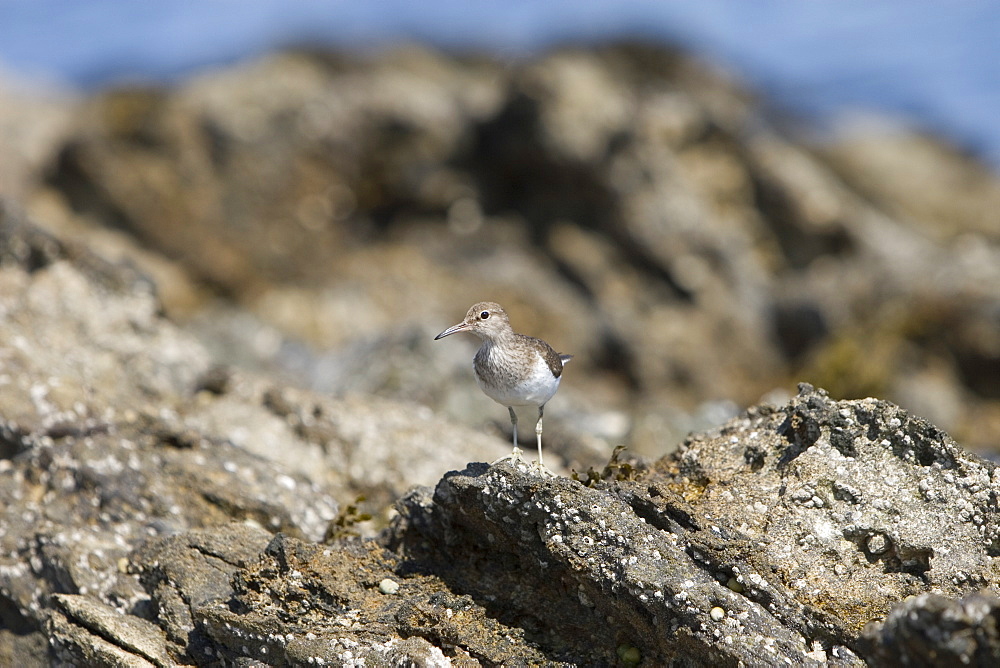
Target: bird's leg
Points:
(538, 434)
(514, 456)
(513, 422)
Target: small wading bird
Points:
(512, 369)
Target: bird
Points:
(512, 369)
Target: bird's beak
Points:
(454, 329)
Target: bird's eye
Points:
(484, 315)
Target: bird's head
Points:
(487, 320)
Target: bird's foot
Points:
(514, 457)
(543, 470)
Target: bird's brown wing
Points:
(553, 359)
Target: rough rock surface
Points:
(931, 630)
(774, 539)
(116, 428)
(317, 217)
(849, 501)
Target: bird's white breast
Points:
(516, 382)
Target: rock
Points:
(184, 572)
(117, 428)
(378, 125)
(55, 296)
(140, 643)
(785, 519)
(192, 403)
(308, 604)
(582, 570)
(826, 487)
(365, 445)
(921, 180)
(160, 535)
(932, 630)
(35, 120)
(715, 554)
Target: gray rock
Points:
(187, 571)
(150, 538)
(163, 508)
(791, 520)
(584, 572)
(848, 501)
(137, 642)
(931, 630)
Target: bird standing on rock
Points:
(512, 369)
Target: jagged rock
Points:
(585, 572)
(726, 523)
(774, 538)
(931, 630)
(162, 507)
(183, 572)
(84, 624)
(713, 555)
(848, 501)
(115, 427)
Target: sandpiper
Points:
(512, 369)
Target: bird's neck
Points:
(499, 340)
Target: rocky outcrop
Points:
(774, 539)
(136, 532)
(931, 630)
(117, 427)
(215, 339)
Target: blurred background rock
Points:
(317, 213)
